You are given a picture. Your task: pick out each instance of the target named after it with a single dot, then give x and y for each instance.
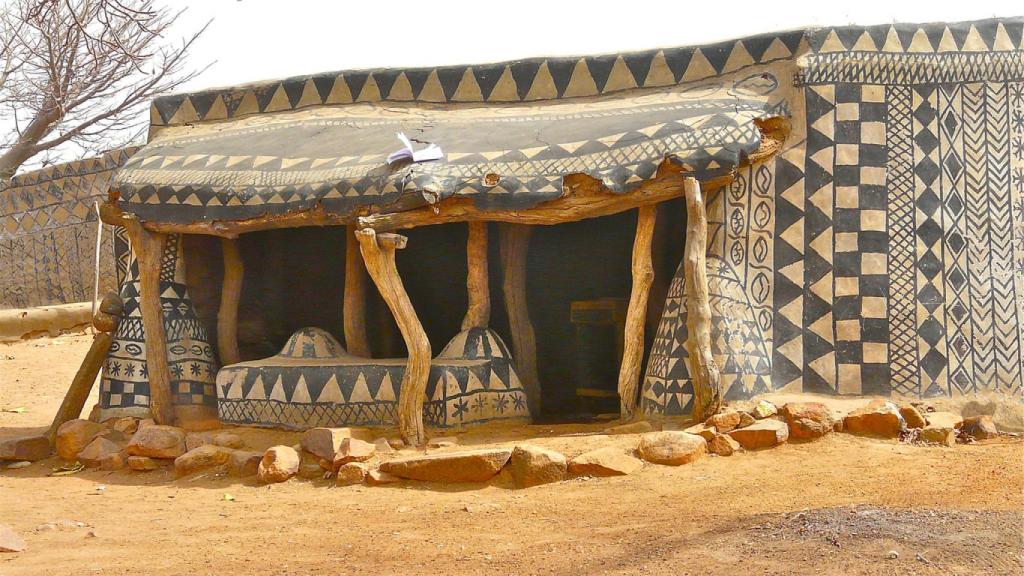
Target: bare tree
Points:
(80, 71)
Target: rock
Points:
(114, 461)
(609, 461)
(943, 420)
(194, 440)
(724, 421)
(878, 418)
(353, 450)
(74, 435)
(703, 431)
(229, 440)
(533, 466)
(631, 428)
(396, 443)
(324, 442)
(201, 458)
(912, 417)
(10, 541)
(938, 435)
(378, 477)
(279, 463)
(761, 434)
(807, 420)
(97, 451)
(25, 448)
(764, 409)
(979, 427)
(723, 445)
(746, 420)
(838, 425)
(467, 466)
(383, 446)
(15, 465)
(157, 441)
(144, 422)
(351, 473)
(443, 442)
(892, 555)
(243, 464)
(127, 425)
(143, 463)
(671, 448)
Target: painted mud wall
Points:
(48, 229)
(882, 252)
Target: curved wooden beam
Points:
(478, 312)
(636, 313)
(704, 373)
(515, 243)
(230, 294)
(379, 254)
(354, 303)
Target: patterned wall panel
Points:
(48, 227)
(896, 239)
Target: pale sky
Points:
(252, 40)
(265, 39)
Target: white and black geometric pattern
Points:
(315, 382)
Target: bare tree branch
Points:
(80, 72)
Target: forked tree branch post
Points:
(354, 301)
(379, 254)
(105, 322)
(633, 342)
(230, 294)
(148, 247)
(515, 244)
(704, 372)
(478, 312)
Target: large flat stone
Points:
(671, 448)
(25, 448)
(467, 466)
(761, 434)
(609, 461)
(878, 418)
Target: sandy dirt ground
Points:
(840, 505)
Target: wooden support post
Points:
(707, 393)
(379, 254)
(231, 292)
(643, 276)
(105, 321)
(515, 243)
(354, 304)
(148, 247)
(478, 312)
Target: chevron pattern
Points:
(1005, 317)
